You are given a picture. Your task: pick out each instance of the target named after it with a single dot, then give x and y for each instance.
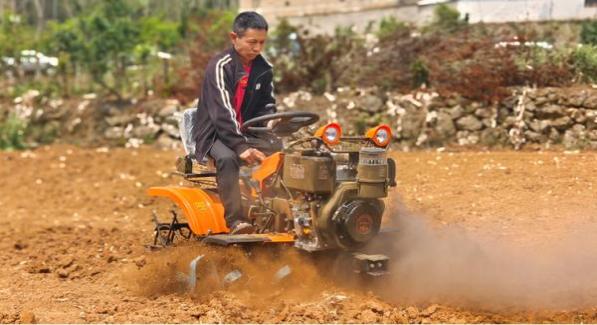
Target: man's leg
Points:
(228, 165)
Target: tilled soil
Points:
(482, 237)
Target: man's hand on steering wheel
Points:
(252, 156)
(271, 124)
(279, 124)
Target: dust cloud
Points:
(429, 264)
(445, 264)
(258, 270)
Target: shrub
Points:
(480, 70)
(420, 73)
(584, 60)
(446, 19)
(541, 66)
(390, 28)
(317, 62)
(588, 33)
(43, 133)
(284, 39)
(12, 133)
(209, 30)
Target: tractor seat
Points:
(184, 164)
(207, 167)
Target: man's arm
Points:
(219, 107)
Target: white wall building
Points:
(324, 16)
(497, 11)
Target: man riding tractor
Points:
(238, 86)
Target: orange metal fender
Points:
(203, 209)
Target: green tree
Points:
(216, 35)
(67, 43)
(159, 32)
(142, 53)
(15, 35)
(110, 36)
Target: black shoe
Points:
(242, 228)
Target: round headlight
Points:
(382, 135)
(330, 133)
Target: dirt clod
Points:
(66, 262)
(368, 316)
(140, 261)
(63, 273)
(27, 317)
(412, 312)
(39, 268)
(429, 311)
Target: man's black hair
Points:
(246, 20)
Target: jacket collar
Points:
(260, 64)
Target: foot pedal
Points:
(374, 265)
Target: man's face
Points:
(250, 44)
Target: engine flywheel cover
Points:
(363, 224)
(357, 222)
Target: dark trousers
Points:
(227, 167)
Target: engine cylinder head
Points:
(372, 173)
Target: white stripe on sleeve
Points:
(223, 93)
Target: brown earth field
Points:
(480, 237)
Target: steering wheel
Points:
(288, 123)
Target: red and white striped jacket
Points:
(216, 117)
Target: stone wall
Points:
(90, 121)
(528, 118)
